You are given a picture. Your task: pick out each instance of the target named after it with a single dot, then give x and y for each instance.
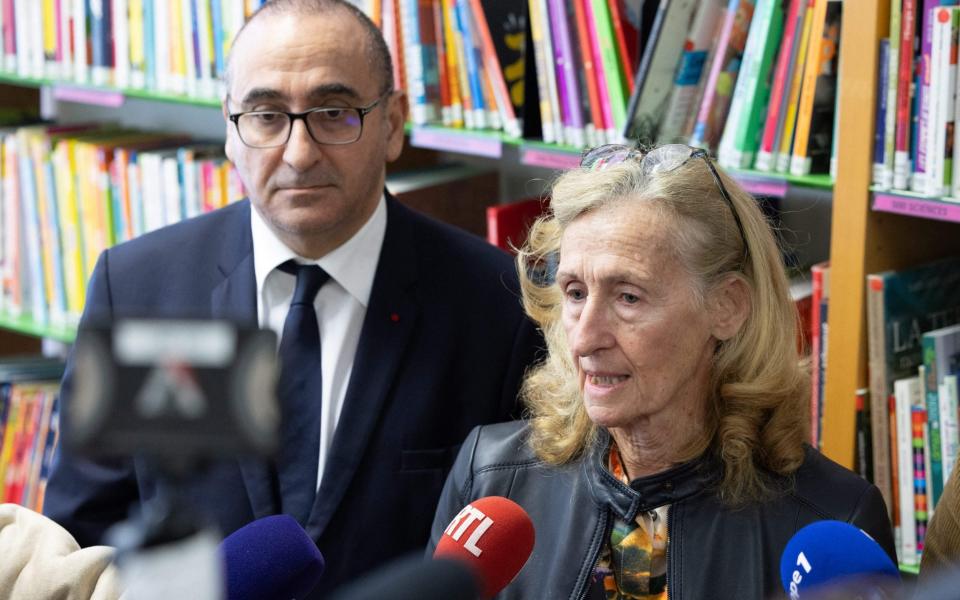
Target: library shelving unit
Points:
(534, 153)
(870, 232)
(491, 145)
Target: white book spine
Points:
(903, 389)
(121, 43)
(949, 431)
(81, 71)
(161, 46)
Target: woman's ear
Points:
(730, 305)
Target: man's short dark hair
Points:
(378, 54)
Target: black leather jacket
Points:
(713, 551)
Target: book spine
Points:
(950, 428)
(606, 127)
(933, 169)
(690, 71)
(137, 56)
(120, 22)
(918, 427)
(904, 390)
(551, 73)
(881, 117)
(923, 102)
(701, 134)
(453, 64)
(615, 90)
(931, 402)
(901, 157)
(879, 425)
(495, 72)
(812, 65)
(446, 114)
(893, 70)
(470, 68)
(751, 95)
(775, 106)
(566, 77)
(596, 124)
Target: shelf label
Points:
(462, 143)
(536, 157)
(773, 188)
(108, 98)
(917, 207)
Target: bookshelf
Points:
(870, 231)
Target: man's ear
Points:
(397, 110)
(730, 306)
(226, 133)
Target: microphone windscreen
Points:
(415, 578)
(494, 536)
(828, 552)
(272, 557)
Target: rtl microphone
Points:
(494, 536)
(272, 557)
(829, 554)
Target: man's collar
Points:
(352, 265)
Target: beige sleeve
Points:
(41, 560)
(941, 545)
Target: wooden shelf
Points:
(915, 205)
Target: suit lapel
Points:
(235, 297)
(387, 327)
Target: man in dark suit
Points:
(420, 325)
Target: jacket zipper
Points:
(595, 554)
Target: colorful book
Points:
(906, 396)
(740, 140)
(901, 157)
(812, 144)
(657, 70)
(690, 72)
(941, 357)
(900, 305)
(718, 91)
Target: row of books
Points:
(914, 361)
(29, 428)
(71, 191)
(916, 96)
(754, 82)
(560, 67)
(174, 46)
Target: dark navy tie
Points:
(300, 392)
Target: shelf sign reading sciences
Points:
(917, 207)
(85, 95)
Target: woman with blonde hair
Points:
(664, 448)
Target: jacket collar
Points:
(644, 493)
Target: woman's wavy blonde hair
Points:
(757, 415)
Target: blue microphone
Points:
(272, 557)
(828, 553)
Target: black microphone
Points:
(272, 557)
(415, 578)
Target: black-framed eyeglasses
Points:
(328, 125)
(662, 159)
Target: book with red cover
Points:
(508, 224)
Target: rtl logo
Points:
(462, 522)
